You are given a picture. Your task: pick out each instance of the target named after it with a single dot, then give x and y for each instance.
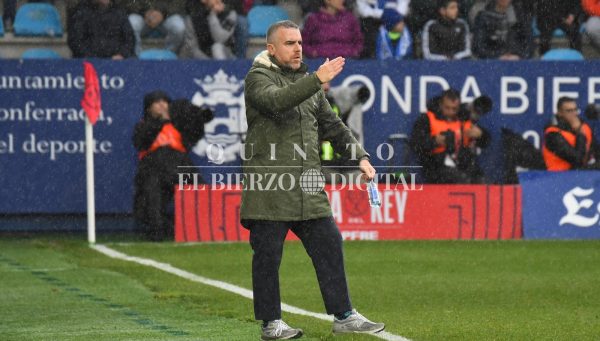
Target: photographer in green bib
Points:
(346, 102)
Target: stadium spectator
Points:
(333, 31)
(448, 36)
(241, 26)
(500, 32)
(214, 17)
(592, 24)
(563, 14)
(394, 40)
(100, 29)
(157, 19)
(424, 10)
(370, 12)
(167, 131)
(9, 8)
(247, 5)
(285, 105)
(310, 6)
(445, 143)
(568, 141)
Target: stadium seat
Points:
(38, 19)
(40, 54)
(157, 54)
(563, 54)
(261, 17)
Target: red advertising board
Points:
(434, 212)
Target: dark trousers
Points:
(153, 195)
(323, 243)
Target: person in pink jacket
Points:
(331, 32)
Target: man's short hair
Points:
(564, 100)
(444, 3)
(280, 24)
(451, 94)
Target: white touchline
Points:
(222, 285)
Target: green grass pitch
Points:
(57, 288)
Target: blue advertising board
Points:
(42, 125)
(561, 205)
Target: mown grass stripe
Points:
(135, 316)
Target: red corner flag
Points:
(91, 97)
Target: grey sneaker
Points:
(356, 323)
(279, 330)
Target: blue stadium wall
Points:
(42, 162)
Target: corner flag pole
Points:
(89, 172)
(92, 106)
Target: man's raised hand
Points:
(331, 68)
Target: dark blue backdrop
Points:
(33, 183)
(561, 205)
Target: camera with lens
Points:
(450, 141)
(475, 110)
(592, 111)
(467, 111)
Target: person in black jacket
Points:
(501, 32)
(157, 19)
(568, 141)
(100, 29)
(210, 30)
(563, 14)
(163, 138)
(445, 143)
(448, 36)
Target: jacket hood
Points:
(265, 60)
(152, 97)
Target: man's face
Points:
(337, 4)
(451, 11)
(286, 47)
(159, 108)
(399, 28)
(503, 3)
(449, 107)
(568, 110)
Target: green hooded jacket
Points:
(287, 113)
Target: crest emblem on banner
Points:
(224, 94)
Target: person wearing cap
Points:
(446, 38)
(163, 137)
(370, 13)
(394, 40)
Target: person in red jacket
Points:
(568, 141)
(167, 131)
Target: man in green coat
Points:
(287, 116)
